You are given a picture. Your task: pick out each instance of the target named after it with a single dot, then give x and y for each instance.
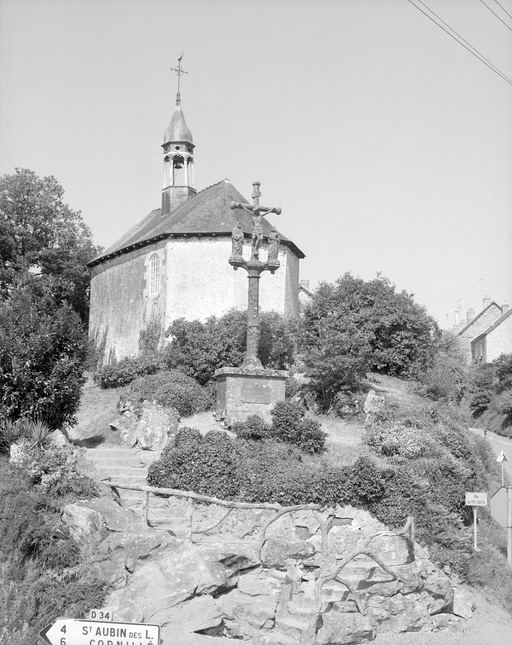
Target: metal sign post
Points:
(475, 500)
(501, 510)
(509, 526)
(502, 458)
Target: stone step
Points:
(292, 626)
(274, 637)
(299, 610)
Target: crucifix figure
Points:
(254, 268)
(258, 213)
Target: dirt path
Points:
(490, 625)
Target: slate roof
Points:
(473, 321)
(206, 213)
(493, 325)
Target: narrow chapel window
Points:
(154, 274)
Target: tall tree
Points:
(352, 326)
(42, 235)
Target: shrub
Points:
(480, 402)
(503, 371)
(291, 387)
(286, 418)
(42, 354)
(310, 436)
(172, 389)
(506, 404)
(199, 348)
(290, 425)
(205, 465)
(127, 370)
(344, 404)
(396, 440)
(42, 576)
(253, 428)
(52, 469)
(487, 568)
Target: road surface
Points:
(499, 444)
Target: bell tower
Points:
(178, 147)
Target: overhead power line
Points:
(496, 1)
(462, 41)
(487, 6)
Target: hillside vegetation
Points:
(414, 455)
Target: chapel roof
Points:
(205, 214)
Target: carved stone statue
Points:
(237, 241)
(273, 246)
(257, 234)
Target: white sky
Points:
(388, 145)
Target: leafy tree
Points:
(40, 234)
(42, 355)
(446, 376)
(352, 326)
(199, 348)
(503, 371)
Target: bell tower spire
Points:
(178, 147)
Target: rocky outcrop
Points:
(150, 426)
(336, 576)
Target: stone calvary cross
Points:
(254, 267)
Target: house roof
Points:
(493, 326)
(206, 213)
(472, 322)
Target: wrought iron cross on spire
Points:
(254, 266)
(179, 72)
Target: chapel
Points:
(174, 262)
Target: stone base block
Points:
(242, 392)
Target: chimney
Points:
(487, 301)
(456, 319)
(505, 307)
(470, 314)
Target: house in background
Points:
(174, 263)
(476, 325)
(493, 341)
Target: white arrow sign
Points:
(67, 631)
(502, 457)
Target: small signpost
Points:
(475, 500)
(68, 631)
(502, 458)
(501, 510)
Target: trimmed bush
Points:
(290, 425)
(253, 428)
(286, 417)
(205, 465)
(173, 389)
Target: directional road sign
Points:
(499, 503)
(476, 499)
(67, 631)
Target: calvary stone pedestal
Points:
(251, 389)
